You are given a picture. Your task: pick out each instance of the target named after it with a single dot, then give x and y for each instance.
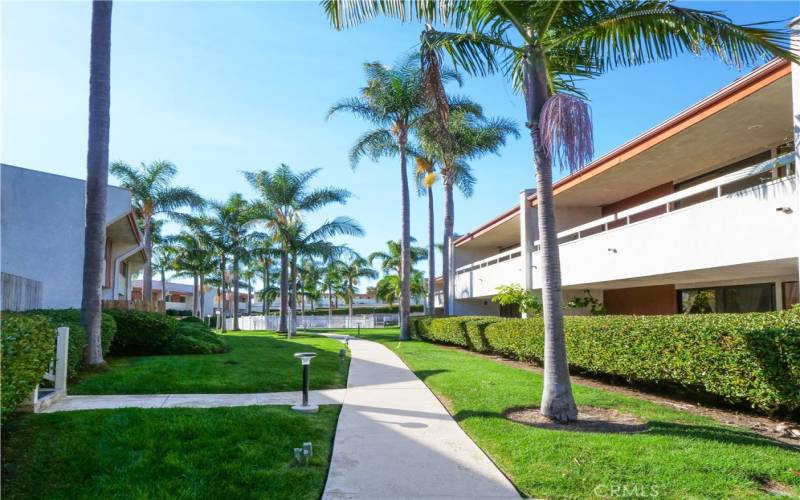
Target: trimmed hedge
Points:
(77, 334)
(323, 311)
(140, 333)
(28, 344)
(749, 358)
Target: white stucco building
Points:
(704, 203)
(42, 220)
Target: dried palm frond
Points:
(566, 131)
(429, 180)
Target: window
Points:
(728, 299)
(791, 293)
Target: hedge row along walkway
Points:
(73, 403)
(394, 439)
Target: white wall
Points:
(740, 228)
(42, 230)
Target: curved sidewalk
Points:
(395, 440)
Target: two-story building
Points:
(700, 213)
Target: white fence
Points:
(333, 321)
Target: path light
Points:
(342, 354)
(359, 331)
(305, 361)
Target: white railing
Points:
(714, 186)
(309, 321)
(489, 261)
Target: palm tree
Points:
(391, 260)
(193, 259)
(332, 281)
(388, 287)
(164, 254)
(302, 242)
(152, 195)
(222, 228)
(546, 48)
(264, 252)
(96, 179)
(393, 101)
(425, 175)
(284, 196)
(468, 135)
(353, 271)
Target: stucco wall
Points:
(42, 229)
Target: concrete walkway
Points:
(72, 403)
(395, 440)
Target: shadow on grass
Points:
(721, 434)
(424, 374)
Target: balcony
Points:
(747, 216)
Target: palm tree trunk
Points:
(350, 302)
(235, 293)
(449, 222)
(405, 254)
(96, 179)
(163, 286)
(293, 298)
(201, 291)
(557, 400)
(265, 281)
(224, 293)
(284, 291)
(195, 298)
(147, 279)
(249, 297)
(330, 306)
(431, 257)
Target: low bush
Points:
(192, 319)
(196, 338)
(28, 345)
(77, 334)
(749, 358)
(323, 311)
(181, 313)
(140, 332)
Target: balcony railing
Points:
(715, 188)
(490, 261)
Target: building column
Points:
(527, 236)
(795, 27)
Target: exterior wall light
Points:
(612, 250)
(786, 210)
(305, 361)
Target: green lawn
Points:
(256, 362)
(231, 453)
(682, 455)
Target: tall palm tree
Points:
(164, 254)
(284, 196)
(545, 48)
(152, 195)
(425, 175)
(332, 281)
(468, 136)
(265, 252)
(393, 102)
(353, 271)
(388, 287)
(94, 242)
(195, 260)
(391, 260)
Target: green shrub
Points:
(28, 345)
(77, 334)
(196, 338)
(192, 319)
(742, 358)
(140, 332)
(178, 312)
(343, 311)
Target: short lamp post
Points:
(305, 361)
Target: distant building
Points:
(42, 222)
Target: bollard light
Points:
(342, 354)
(359, 331)
(305, 361)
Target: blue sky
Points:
(221, 87)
